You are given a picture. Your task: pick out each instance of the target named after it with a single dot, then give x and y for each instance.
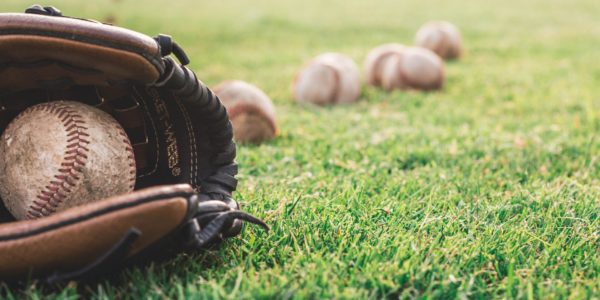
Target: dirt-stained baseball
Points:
(376, 60)
(250, 110)
(441, 37)
(329, 78)
(395, 67)
(419, 69)
(61, 154)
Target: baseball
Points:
(395, 67)
(392, 76)
(250, 110)
(329, 78)
(441, 37)
(376, 60)
(418, 68)
(61, 154)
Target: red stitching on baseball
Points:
(379, 64)
(74, 158)
(130, 156)
(336, 88)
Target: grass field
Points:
(489, 188)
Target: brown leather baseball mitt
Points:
(180, 133)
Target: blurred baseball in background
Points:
(441, 37)
(376, 60)
(250, 110)
(394, 67)
(329, 78)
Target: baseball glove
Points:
(180, 132)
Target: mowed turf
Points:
(488, 188)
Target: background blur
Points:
(219, 34)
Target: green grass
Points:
(489, 188)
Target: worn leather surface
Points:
(90, 32)
(78, 236)
(52, 59)
(55, 52)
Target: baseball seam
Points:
(448, 44)
(378, 66)
(336, 88)
(404, 81)
(75, 157)
(440, 48)
(412, 84)
(130, 156)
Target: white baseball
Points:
(250, 110)
(441, 37)
(376, 60)
(395, 67)
(392, 77)
(418, 68)
(61, 154)
(329, 78)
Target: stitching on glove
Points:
(74, 158)
(192, 138)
